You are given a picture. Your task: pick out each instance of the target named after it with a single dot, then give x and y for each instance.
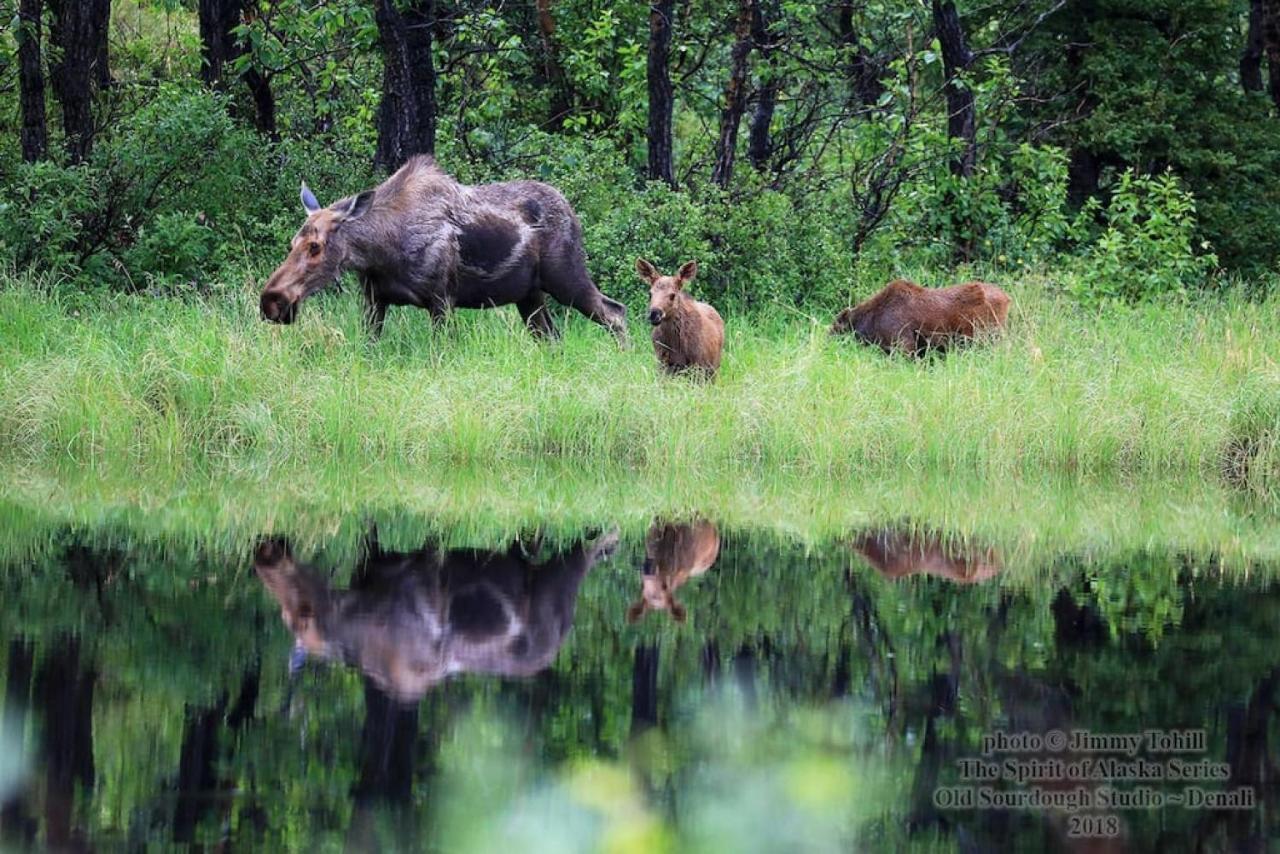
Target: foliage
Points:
(1012, 210)
(174, 198)
(1146, 247)
(854, 187)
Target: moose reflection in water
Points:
(897, 552)
(411, 619)
(674, 552)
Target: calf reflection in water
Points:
(674, 552)
(899, 552)
(411, 619)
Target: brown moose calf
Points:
(687, 335)
(904, 316)
(674, 553)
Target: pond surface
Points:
(692, 688)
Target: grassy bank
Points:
(1031, 522)
(136, 386)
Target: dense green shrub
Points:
(178, 196)
(1147, 247)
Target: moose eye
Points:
(313, 249)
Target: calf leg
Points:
(536, 316)
(566, 278)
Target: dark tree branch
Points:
(34, 135)
(661, 97)
(735, 96)
(759, 147)
(77, 30)
(957, 59)
(561, 100)
(407, 113)
(1251, 60)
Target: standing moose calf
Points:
(422, 239)
(687, 335)
(904, 316)
(674, 553)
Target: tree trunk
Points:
(102, 48)
(561, 104)
(264, 103)
(863, 71)
(644, 688)
(407, 114)
(1251, 60)
(77, 30)
(197, 758)
(34, 136)
(1083, 173)
(661, 97)
(219, 48)
(17, 828)
(64, 693)
(956, 60)
(1270, 15)
(759, 148)
(735, 96)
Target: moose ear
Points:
(309, 202)
(358, 206)
(678, 612)
(647, 271)
(687, 272)
(635, 611)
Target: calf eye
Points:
(313, 249)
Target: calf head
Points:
(316, 257)
(844, 322)
(664, 291)
(657, 593)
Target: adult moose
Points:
(411, 619)
(421, 238)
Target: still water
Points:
(688, 688)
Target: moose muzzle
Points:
(278, 308)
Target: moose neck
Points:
(365, 243)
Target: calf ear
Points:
(687, 272)
(635, 611)
(678, 612)
(358, 206)
(647, 271)
(309, 203)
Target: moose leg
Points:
(534, 312)
(375, 310)
(567, 279)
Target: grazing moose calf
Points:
(906, 317)
(687, 335)
(422, 239)
(899, 552)
(673, 554)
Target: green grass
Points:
(134, 387)
(1082, 433)
(1032, 522)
